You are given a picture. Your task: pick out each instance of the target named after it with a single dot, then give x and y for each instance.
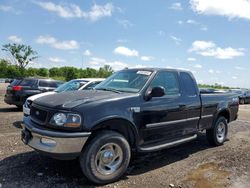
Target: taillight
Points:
(17, 88)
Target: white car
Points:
(76, 84)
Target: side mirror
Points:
(43, 89)
(157, 91)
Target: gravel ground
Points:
(194, 164)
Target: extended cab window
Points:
(188, 84)
(167, 80)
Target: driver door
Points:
(163, 118)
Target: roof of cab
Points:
(159, 69)
(90, 79)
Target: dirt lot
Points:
(194, 164)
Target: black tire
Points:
(212, 134)
(89, 158)
(242, 101)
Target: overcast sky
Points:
(208, 37)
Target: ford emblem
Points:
(37, 113)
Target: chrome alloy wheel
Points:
(221, 132)
(109, 158)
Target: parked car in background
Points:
(243, 94)
(134, 110)
(76, 84)
(8, 80)
(5, 80)
(212, 90)
(20, 89)
(207, 90)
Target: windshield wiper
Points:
(108, 89)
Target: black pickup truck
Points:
(134, 110)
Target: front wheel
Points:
(217, 135)
(106, 157)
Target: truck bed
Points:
(213, 103)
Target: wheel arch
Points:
(120, 125)
(224, 113)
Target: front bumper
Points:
(60, 145)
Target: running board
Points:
(167, 145)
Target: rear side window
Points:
(49, 83)
(27, 82)
(53, 84)
(167, 80)
(43, 83)
(188, 84)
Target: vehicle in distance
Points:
(20, 89)
(76, 84)
(134, 110)
(211, 90)
(243, 94)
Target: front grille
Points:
(38, 115)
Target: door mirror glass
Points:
(157, 91)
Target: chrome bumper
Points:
(57, 144)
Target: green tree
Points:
(55, 72)
(70, 73)
(105, 71)
(13, 72)
(31, 71)
(21, 54)
(4, 65)
(91, 73)
(8, 70)
(82, 73)
(43, 72)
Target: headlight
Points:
(66, 120)
(28, 103)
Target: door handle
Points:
(182, 106)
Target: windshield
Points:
(15, 82)
(71, 85)
(125, 81)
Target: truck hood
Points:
(34, 97)
(71, 99)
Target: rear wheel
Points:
(242, 101)
(217, 135)
(106, 157)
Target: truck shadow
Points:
(39, 170)
(18, 124)
(142, 163)
(11, 109)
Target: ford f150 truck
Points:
(134, 110)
